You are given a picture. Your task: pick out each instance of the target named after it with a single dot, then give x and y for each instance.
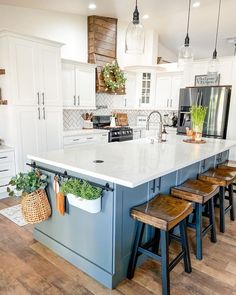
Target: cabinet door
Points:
(85, 87)
(163, 92)
(25, 69)
(175, 89)
(51, 129)
(28, 132)
(50, 66)
(130, 99)
(147, 95)
(68, 85)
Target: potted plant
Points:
(30, 187)
(83, 195)
(198, 114)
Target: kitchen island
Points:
(133, 172)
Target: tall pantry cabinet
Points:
(33, 119)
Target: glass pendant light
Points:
(186, 51)
(135, 35)
(213, 64)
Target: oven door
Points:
(120, 138)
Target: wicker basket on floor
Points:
(35, 207)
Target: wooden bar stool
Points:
(201, 193)
(162, 213)
(225, 179)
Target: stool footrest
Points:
(175, 261)
(206, 229)
(174, 237)
(149, 253)
(227, 209)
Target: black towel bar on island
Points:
(105, 187)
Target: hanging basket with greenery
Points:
(114, 78)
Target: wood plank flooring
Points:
(27, 267)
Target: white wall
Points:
(70, 29)
(149, 57)
(166, 53)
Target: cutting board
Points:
(122, 119)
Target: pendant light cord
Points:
(136, 14)
(217, 30)
(189, 10)
(186, 42)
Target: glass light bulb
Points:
(135, 39)
(213, 67)
(185, 55)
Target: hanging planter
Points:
(30, 187)
(82, 195)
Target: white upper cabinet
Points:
(176, 85)
(127, 101)
(50, 73)
(167, 91)
(163, 92)
(25, 72)
(146, 81)
(35, 69)
(78, 85)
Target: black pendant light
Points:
(135, 35)
(213, 64)
(186, 51)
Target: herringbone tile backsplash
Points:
(72, 118)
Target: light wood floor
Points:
(27, 267)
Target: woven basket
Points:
(35, 207)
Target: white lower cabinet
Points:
(38, 130)
(73, 141)
(7, 170)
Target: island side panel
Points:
(82, 238)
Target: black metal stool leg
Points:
(222, 209)
(165, 262)
(185, 246)
(156, 245)
(231, 202)
(134, 255)
(212, 220)
(199, 231)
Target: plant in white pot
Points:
(82, 194)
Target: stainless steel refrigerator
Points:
(216, 98)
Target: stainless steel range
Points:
(116, 134)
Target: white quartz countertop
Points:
(133, 163)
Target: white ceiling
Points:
(167, 16)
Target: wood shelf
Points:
(2, 72)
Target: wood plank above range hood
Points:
(102, 45)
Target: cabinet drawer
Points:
(4, 184)
(74, 140)
(6, 170)
(6, 157)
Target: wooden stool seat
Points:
(227, 168)
(201, 193)
(225, 177)
(163, 212)
(220, 176)
(195, 190)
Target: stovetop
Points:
(113, 128)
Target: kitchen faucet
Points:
(161, 124)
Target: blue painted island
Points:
(133, 172)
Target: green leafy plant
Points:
(113, 77)
(81, 188)
(26, 183)
(198, 114)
